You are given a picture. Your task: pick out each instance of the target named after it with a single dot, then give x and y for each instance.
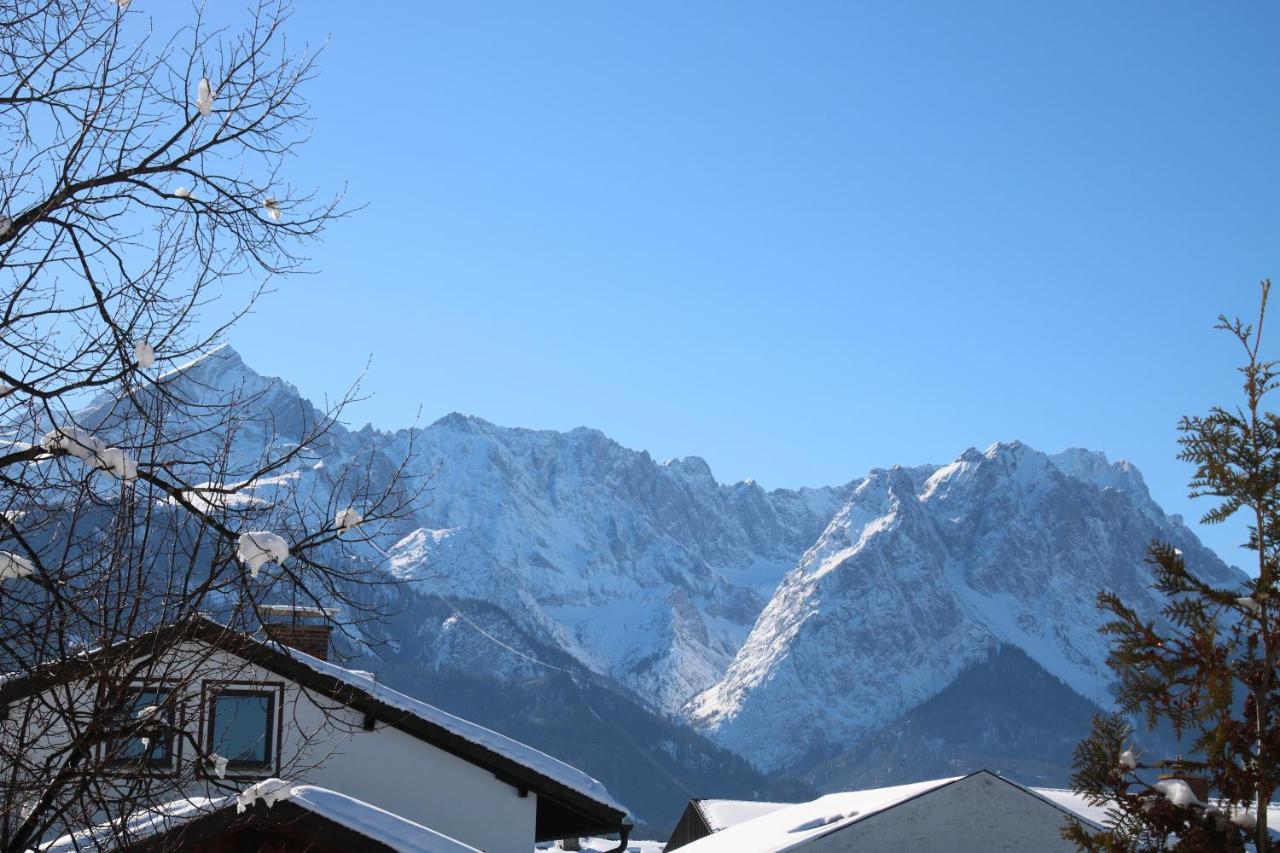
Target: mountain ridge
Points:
(832, 613)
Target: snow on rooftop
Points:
(722, 814)
(373, 822)
(539, 762)
(790, 826)
(602, 845)
(370, 821)
(1077, 803)
(137, 826)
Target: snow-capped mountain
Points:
(925, 572)
(595, 601)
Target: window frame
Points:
(274, 692)
(165, 688)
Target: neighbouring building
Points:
(967, 814)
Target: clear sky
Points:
(798, 239)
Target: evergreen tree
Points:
(1208, 667)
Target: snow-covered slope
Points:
(925, 572)
(828, 614)
(649, 573)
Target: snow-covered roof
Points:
(539, 762)
(603, 845)
(792, 825)
(138, 826)
(378, 824)
(374, 823)
(722, 814)
(1097, 815)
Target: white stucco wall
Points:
(401, 774)
(325, 744)
(979, 814)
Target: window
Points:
(240, 727)
(147, 718)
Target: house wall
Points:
(325, 744)
(980, 814)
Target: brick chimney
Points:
(306, 629)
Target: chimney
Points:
(306, 629)
(1186, 771)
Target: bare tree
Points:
(142, 174)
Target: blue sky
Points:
(797, 239)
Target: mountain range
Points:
(677, 636)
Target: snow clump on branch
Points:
(262, 546)
(270, 791)
(347, 518)
(204, 97)
(14, 566)
(90, 449)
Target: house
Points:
(978, 812)
(234, 710)
(704, 817)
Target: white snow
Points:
(219, 763)
(791, 826)
(270, 791)
(1249, 603)
(603, 845)
(182, 192)
(722, 814)
(347, 518)
(85, 446)
(368, 820)
(136, 826)
(5, 224)
(204, 97)
(261, 546)
(371, 821)
(539, 762)
(14, 565)
(118, 462)
(1129, 759)
(1097, 814)
(1177, 792)
(145, 354)
(78, 442)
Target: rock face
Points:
(925, 572)
(550, 570)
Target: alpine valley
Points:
(675, 636)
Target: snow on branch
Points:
(90, 449)
(262, 546)
(14, 566)
(270, 791)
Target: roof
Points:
(569, 801)
(792, 826)
(1097, 814)
(722, 814)
(342, 821)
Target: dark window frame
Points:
(274, 691)
(134, 765)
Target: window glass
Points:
(150, 743)
(240, 727)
